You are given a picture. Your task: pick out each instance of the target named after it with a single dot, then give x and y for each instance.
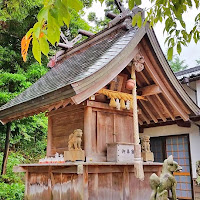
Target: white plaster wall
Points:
(191, 92)
(198, 92)
(194, 137)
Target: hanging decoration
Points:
(119, 100)
(130, 84)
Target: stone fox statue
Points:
(166, 182)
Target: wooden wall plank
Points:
(93, 186)
(62, 125)
(117, 186)
(124, 133)
(126, 189)
(105, 122)
(105, 186)
(111, 182)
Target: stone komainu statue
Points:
(145, 143)
(198, 172)
(161, 185)
(75, 140)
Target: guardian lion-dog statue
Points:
(161, 185)
(75, 140)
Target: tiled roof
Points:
(77, 67)
(188, 73)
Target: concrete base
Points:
(147, 156)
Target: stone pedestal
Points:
(147, 156)
(74, 155)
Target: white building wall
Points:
(198, 92)
(190, 90)
(194, 136)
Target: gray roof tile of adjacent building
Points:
(76, 67)
(190, 73)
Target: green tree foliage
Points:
(11, 184)
(198, 61)
(55, 14)
(177, 64)
(171, 11)
(28, 136)
(101, 23)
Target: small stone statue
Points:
(75, 153)
(147, 155)
(145, 143)
(75, 140)
(161, 185)
(198, 172)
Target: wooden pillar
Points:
(6, 150)
(137, 146)
(135, 109)
(49, 137)
(138, 165)
(88, 132)
(26, 185)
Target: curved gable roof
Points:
(88, 68)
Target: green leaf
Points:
(44, 46)
(66, 18)
(170, 53)
(43, 14)
(74, 4)
(178, 48)
(36, 50)
(167, 39)
(53, 31)
(36, 29)
(139, 20)
(196, 3)
(168, 24)
(182, 23)
(29, 32)
(131, 4)
(134, 20)
(171, 41)
(138, 2)
(189, 3)
(177, 32)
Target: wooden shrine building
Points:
(77, 93)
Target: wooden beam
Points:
(150, 68)
(140, 121)
(161, 102)
(145, 117)
(18, 169)
(67, 102)
(150, 90)
(156, 108)
(145, 78)
(59, 105)
(51, 107)
(151, 100)
(165, 107)
(182, 123)
(149, 112)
